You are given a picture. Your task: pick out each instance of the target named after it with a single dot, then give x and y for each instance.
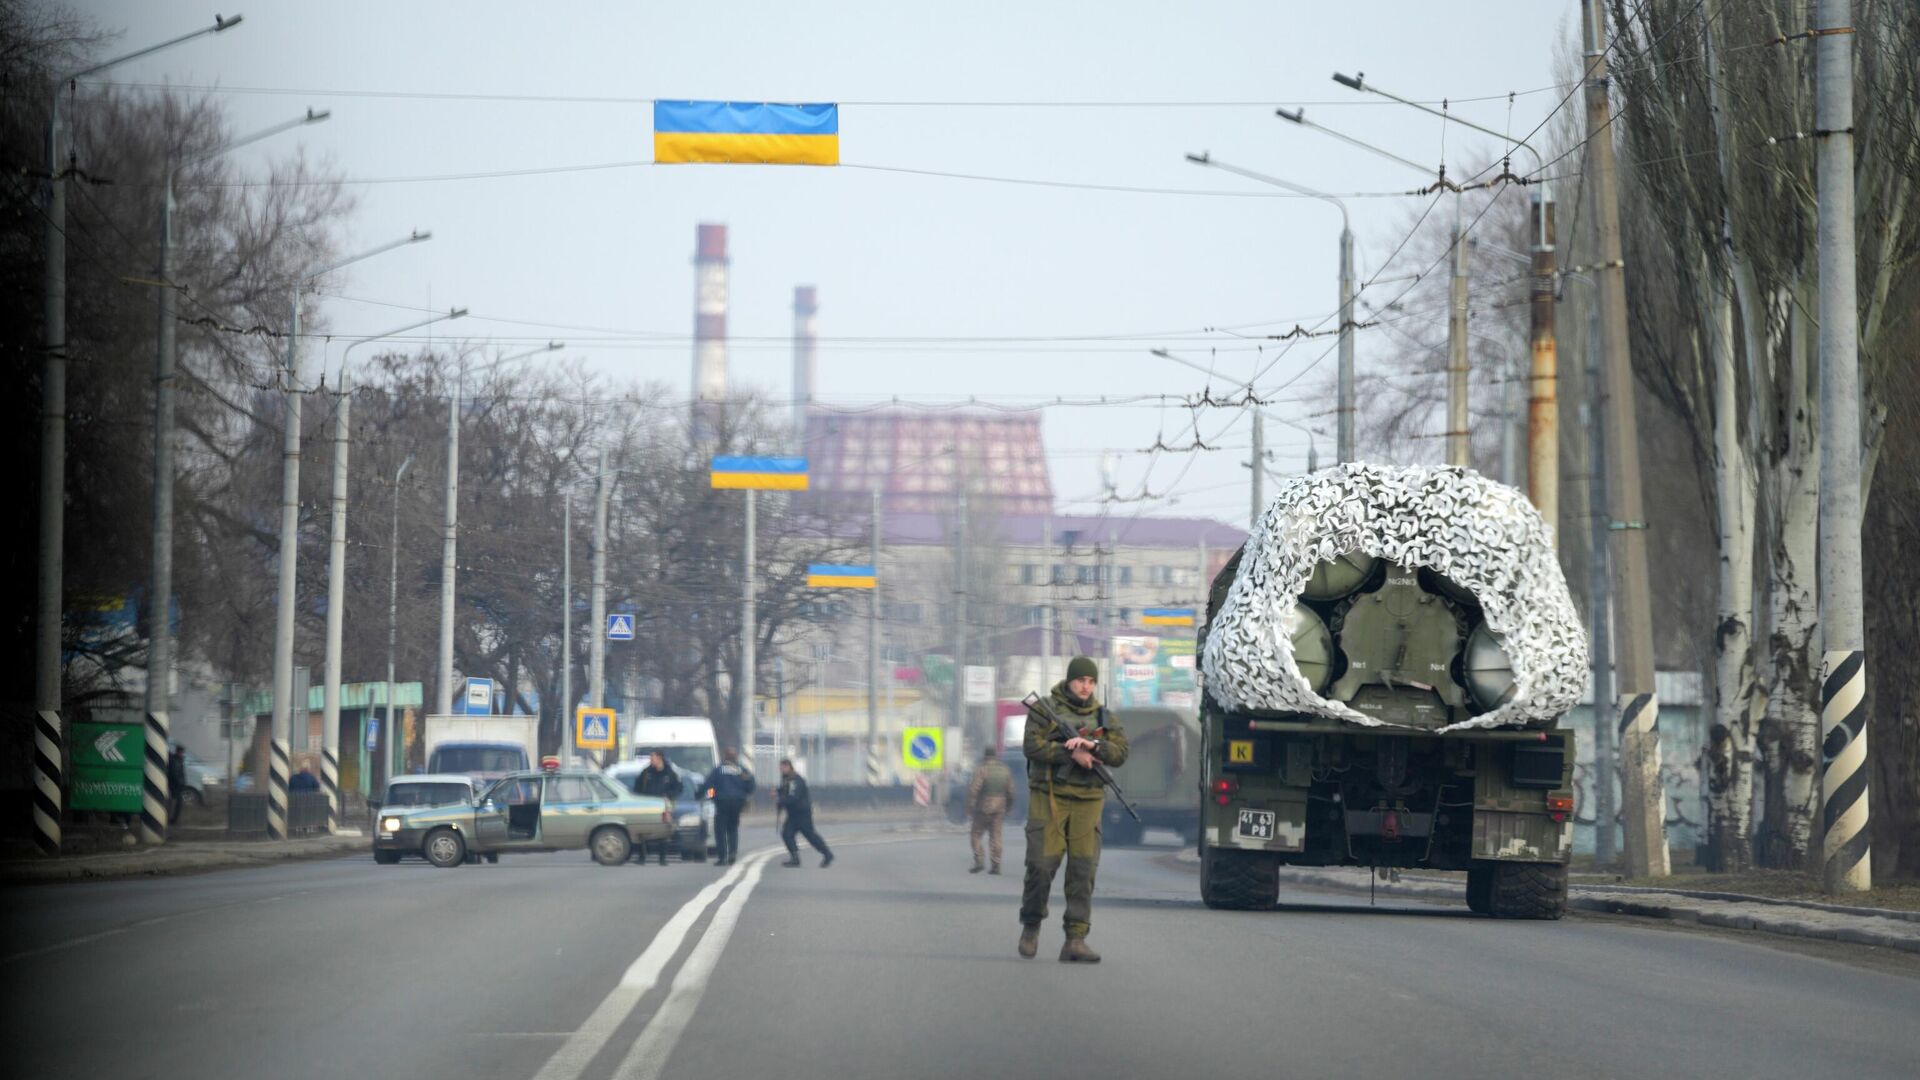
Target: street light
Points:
(449, 541)
(47, 740)
(154, 811)
(337, 570)
(278, 765)
(394, 747)
(1345, 408)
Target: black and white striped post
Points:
(277, 770)
(47, 781)
(154, 804)
(1646, 836)
(1843, 775)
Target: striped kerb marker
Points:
(277, 791)
(153, 786)
(1848, 855)
(46, 782)
(330, 783)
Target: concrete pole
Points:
(154, 804)
(743, 694)
(1847, 856)
(1459, 447)
(597, 637)
(960, 577)
(1543, 397)
(279, 763)
(1644, 795)
(873, 650)
(566, 628)
(336, 609)
(1046, 608)
(449, 546)
(396, 742)
(1344, 433)
(1259, 466)
(1600, 600)
(49, 756)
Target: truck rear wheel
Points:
(1480, 890)
(1527, 890)
(1124, 832)
(1238, 881)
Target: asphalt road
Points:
(894, 962)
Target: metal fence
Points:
(306, 812)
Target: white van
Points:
(688, 742)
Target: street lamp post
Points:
(155, 801)
(394, 744)
(337, 573)
(1344, 429)
(280, 756)
(48, 754)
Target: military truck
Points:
(1394, 758)
(1158, 777)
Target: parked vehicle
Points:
(687, 741)
(202, 778)
(422, 789)
(483, 747)
(530, 811)
(692, 814)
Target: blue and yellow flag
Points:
(745, 133)
(740, 473)
(1166, 616)
(835, 576)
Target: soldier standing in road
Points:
(797, 802)
(987, 798)
(728, 785)
(660, 780)
(1063, 810)
(176, 784)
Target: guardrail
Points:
(306, 812)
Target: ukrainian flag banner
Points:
(1166, 616)
(831, 576)
(745, 133)
(760, 473)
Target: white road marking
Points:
(647, 1058)
(573, 1056)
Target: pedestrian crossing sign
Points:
(923, 748)
(619, 627)
(593, 729)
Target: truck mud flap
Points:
(1520, 837)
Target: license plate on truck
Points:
(1256, 824)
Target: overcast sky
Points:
(894, 254)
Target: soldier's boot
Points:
(976, 868)
(826, 860)
(995, 870)
(1075, 951)
(1029, 939)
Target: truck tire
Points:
(1480, 890)
(1528, 890)
(1238, 881)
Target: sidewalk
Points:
(1794, 918)
(178, 857)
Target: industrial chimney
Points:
(709, 324)
(804, 307)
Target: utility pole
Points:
(1046, 595)
(597, 647)
(960, 577)
(1259, 466)
(566, 627)
(873, 650)
(336, 608)
(743, 693)
(1600, 600)
(449, 544)
(396, 740)
(154, 805)
(1543, 396)
(1645, 798)
(1459, 448)
(1344, 432)
(279, 763)
(1847, 856)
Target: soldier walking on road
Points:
(797, 803)
(728, 786)
(987, 798)
(1063, 810)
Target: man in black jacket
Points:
(728, 785)
(797, 802)
(660, 780)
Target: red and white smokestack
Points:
(805, 306)
(710, 315)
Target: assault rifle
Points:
(1039, 707)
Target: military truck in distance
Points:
(1159, 775)
(1410, 650)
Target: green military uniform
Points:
(987, 798)
(1063, 808)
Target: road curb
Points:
(175, 859)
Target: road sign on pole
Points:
(619, 627)
(979, 688)
(593, 728)
(479, 699)
(923, 749)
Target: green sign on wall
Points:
(108, 762)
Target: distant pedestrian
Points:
(1063, 808)
(661, 781)
(797, 803)
(987, 798)
(728, 786)
(304, 780)
(176, 784)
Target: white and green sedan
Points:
(528, 811)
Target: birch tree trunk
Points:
(1728, 752)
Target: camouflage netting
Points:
(1482, 535)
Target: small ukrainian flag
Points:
(832, 576)
(760, 473)
(745, 133)
(1166, 616)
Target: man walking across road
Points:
(728, 785)
(1063, 810)
(659, 780)
(797, 803)
(987, 798)
(176, 784)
